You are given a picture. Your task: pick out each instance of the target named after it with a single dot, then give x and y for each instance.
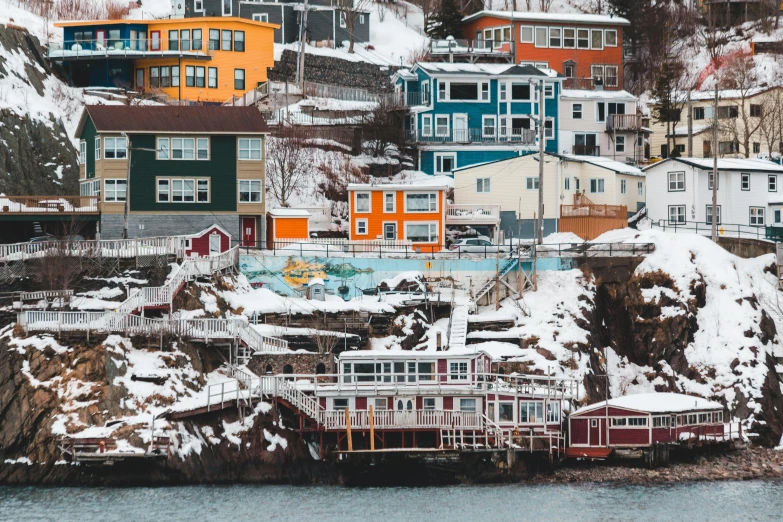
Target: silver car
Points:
(477, 245)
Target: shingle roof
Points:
(195, 119)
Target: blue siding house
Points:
(464, 114)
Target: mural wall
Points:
(348, 277)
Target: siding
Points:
(291, 228)
(466, 158)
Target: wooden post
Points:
(372, 430)
(348, 429)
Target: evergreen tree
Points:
(446, 22)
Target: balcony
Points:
(586, 150)
(590, 84)
(623, 122)
(474, 136)
(472, 214)
(49, 205)
(125, 48)
(413, 99)
(460, 49)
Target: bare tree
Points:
(739, 74)
(287, 162)
(324, 340)
(382, 126)
(545, 5)
(350, 11)
(770, 129)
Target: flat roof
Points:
(164, 21)
(392, 186)
(584, 94)
(571, 18)
(289, 212)
(656, 403)
(492, 69)
(725, 164)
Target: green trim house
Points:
(190, 167)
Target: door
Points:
(390, 231)
(248, 231)
(595, 433)
(100, 40)
(139, 79)
(405, 411)
(214, 244)
(179, 8)
(460, 127)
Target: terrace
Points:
(92, 48)
(473, 136)
(464, 50)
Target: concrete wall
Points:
(746, 248)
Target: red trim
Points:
(153, 47)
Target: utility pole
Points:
(690, 125)
(541, 143)
(302, 32)
(714, 216)
(126, 207)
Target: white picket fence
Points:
(125, 248)
(363, 245)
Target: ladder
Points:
(458, 332)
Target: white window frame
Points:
(600, 183)
(437, 127)
(502, 91)
(438, 165)
(247, 186)
(430, 201)
(426, 125)
(356, 202)
(579, 30)
(184, 188)
(393, 202)
(526, 404)
(541, 30)
(464, 401)
(114, 183)
(522, 38)
(592, 32)
(772, 183)
(574, 111)
(484, 95)
(261, 17)
(573, 38)
(559, 37)
(459, 370)
(758, 217)
(116, 150)
(484, 119)
(250, 146)
(198, 6)
(708, 214)
(483, 185)
(531, 183)
(678, 214)
(616, 41)
(550, 88)
(674, 182)
(82, 152)
(433, 232)
(163, 151)
(343, 19)
(199, 148)
(640, 188)
(549, 131)
(185, 146)
(443, 90)
(745, 181)
(158, 192)
(97, 148)
(362, 223)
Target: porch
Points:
(473, 136)
(473, 215)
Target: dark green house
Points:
(179, 170)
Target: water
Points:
(578, 503)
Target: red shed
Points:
(209, 242)
(637, 421)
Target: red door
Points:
(249, 232)
(595, 433)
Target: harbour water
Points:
(752, 500)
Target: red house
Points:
(209, 242)
(639, 421)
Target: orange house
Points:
(209, 59)
(286, 223)
(414, 213)
(582, 47)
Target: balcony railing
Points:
(516, 136)
(49, 204)
(623, 122)
(472, 214)
(586, 150)
(462, 46)
(590, 84)
(125, 47)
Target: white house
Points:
(679, 190)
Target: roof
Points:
(411, 354)
(289, 212)
(656, 403)
(491, 69)
(180, 21)
(584, 94)
(434, 183)
(682, 130)
(193, 119)
(316, 281)
(570, 18)
(211, 227)
(726, 164)
(605, 163)
(723, 94)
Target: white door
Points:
(461, 127)
(405, 411)
(214, 244)
(178, 6)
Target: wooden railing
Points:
(623, 122)
(49, 204)
(590, 84)
(593, 210)
(472, 213)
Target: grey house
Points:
(325, 22)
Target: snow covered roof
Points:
(405, 74)
(656, 403)
(289, 212)
(726, 94)
(437, 183)
(606, 163)
(175, 21)
(583, 94)
(571, 18)
(492, 69)
(409, 354)
(682, 130)
(316, 281)
(734, 164)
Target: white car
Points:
(477, 245)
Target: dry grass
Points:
(78, 9)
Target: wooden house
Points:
(283, 224)
(209, 242)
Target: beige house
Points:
(512, 186)
(748, 126)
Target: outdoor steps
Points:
(459, 327)
(490, 283)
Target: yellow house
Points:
(208, 59)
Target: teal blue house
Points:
(463, 114)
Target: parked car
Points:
(478, 245)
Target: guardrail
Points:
(125, 47)
(516, 136)
(735, 230)
(456, 214)
(171, 245)
(49, 204)
(623, 122)
(251, 97)
(464, 46)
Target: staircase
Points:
(490, 283)
(458, 330)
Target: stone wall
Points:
(169, 224)
(746, 248)
(334, 71)
(301, 363)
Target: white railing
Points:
(125, 248)
(320, 218)
(364, 245)
(404, 419)
(472, 213)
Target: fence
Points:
(735, 230)
(49, 204)
(124, 248)
(483, 135)
(463, 46)
(283, 116)
(590, 221)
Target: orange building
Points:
(285, 224)
(414, 213)
(584, 48)
(208, 59)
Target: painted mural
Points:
(353, 276)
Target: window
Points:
(709, 215)
(596, 39)
(506, 412)
(637, 421)
(390, 231)
(567, 184)
(531, 412)
(182, 191)
(549, 128)
(421, 232)
(163, 191)
(458, 371)
(553, 412)
(163, 148)
(611, 77)
(661, 421)
(593, 423)
(442, 96)
(190, 76)
(196, 39)
(569, 38)
(755, 111)
(485, 91)
(424, 202)
(155, 41)
(698, 113)
(213, 78)
(175, 76)
(541, 36)
(610, 37)
(619, 422)
(202, 190)
(165, 76)
(343, 20)
(622, 186)
(250, 148)
(597, 186)
(250, 191)
(82, 152)
(361, 19)
(531, 183)
(619, 144)
(577, 183)
(488, 126)
(503, 89)
(200, 81)
(239, 41)
(183, 148)
(445, 163)
(361, 227)
(728, 112)
(428, 403)
(710, 180)
(202, 148)
(115, 148)
(225, 41)
(114, 190)
(576, 111)
(389, 202)
(441, 125)
(757, 216)
(214, 39)
(745, 181)
(261, 17)
(463, 91)
(583, 38)
(426, 371)
(154, 77)
(728, 147)
(676, 181)
(777, 216)
(772, 183)
(555, 37)
(426, 125)
(520, 91)
(482, 185)
(549, 90)
(677, 214)
(640, 188)
(362, 202)
(526, 34)
(173, 40)
(339, 404)
(756, 147)
(468, 405)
